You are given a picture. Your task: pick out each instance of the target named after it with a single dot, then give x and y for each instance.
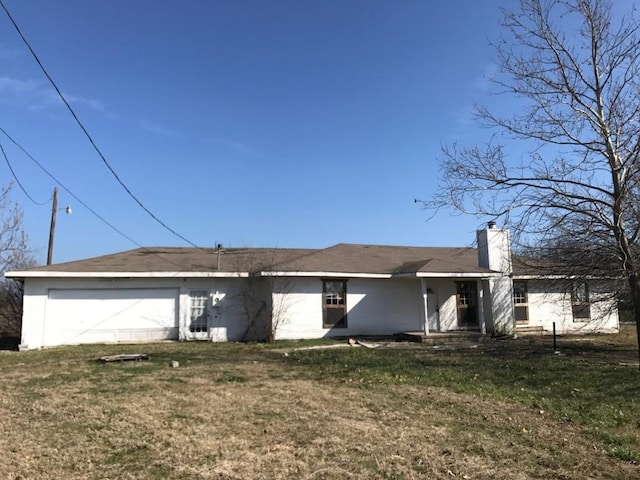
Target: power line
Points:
(96, 214)
(24, 190)
(62, 185)
(86, 133)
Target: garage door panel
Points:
(110, 315)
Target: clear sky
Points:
(245, 122)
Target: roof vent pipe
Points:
(491, 224)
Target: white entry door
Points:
(198, 322)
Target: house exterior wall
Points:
(374, 307)
(46, 311)
(55, 310)
(550, 301)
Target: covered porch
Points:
(464, 304)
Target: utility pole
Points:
(54, 209)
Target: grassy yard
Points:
(510, 409)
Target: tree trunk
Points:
(634, 286)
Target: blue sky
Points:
(250, 123)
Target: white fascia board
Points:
(540, 277)
(561, 277)
(326, 274)
(54, 274)
(380, 275)
(458, 275)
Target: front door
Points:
(198, 321)
(467, 303)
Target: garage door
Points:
(110, 315)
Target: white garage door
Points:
(110, 315)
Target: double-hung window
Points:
(520, 303)
(580, 302)
(334, 303)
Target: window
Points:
(580, 302)
(520, 303)
(334, 303)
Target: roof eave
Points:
(58, 274)
(325, 274)
(562, 277)
(457, 274)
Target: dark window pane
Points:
(335, 317)
(521, 314)
(581, 311)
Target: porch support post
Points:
(481, 295)
(425, 304)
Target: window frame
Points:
(199, 302)
(521, 304)
(334, 301)
(580, 302)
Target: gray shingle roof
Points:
(372, 259)
(341, 258)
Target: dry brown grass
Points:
(241, 412)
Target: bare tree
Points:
(265, 301)
(572, 68)
(13, 254)
(282, 289)
(263, 298)
(254, 301)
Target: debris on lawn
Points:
(126, 357)
(454, 346)
(350, 343)
(354, 343)
(322, 347)
(174, 364)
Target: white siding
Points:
(131, 316)
(302, 299)
(72, 310)
(381, 307)
(549, 302)
(110, 315)
(374, 307)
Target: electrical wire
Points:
(57, 181)
(75, 197)
(24, 190)
(89, 137)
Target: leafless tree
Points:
(254, 301)
(264, 298)
(13, 254)
(572, 69)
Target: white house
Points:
(152, 294)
